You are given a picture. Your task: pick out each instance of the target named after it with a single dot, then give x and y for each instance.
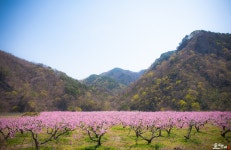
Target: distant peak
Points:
(116, 69)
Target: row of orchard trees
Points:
(96, 124)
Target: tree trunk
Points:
(224, 132)
(35, 138)
(189, 132)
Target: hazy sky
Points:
(83, 37)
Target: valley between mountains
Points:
(194, 77)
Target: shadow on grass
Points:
(97, 148)
(156, 146)
(191, 140)
(90, 148)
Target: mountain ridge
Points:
(112, 82)
(26, 86)
(194, 77)
(122, 76)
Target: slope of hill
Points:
(26, 86)
(108, 86)
(104, 84)
(197, 76)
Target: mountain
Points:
(26, 86)
(196, 76)
(104, 84)
(109, 86)
(125, 77)
(113, 81)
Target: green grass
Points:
(10, 115)
(119, 138)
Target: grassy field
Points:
(123, 138)
(10, 115)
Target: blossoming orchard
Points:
(97, 124)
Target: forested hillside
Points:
(104, 84)
(109, 85)
(197, 76)
(25, 86)
(112, 82)
(124, 77)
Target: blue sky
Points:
(83, 37)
